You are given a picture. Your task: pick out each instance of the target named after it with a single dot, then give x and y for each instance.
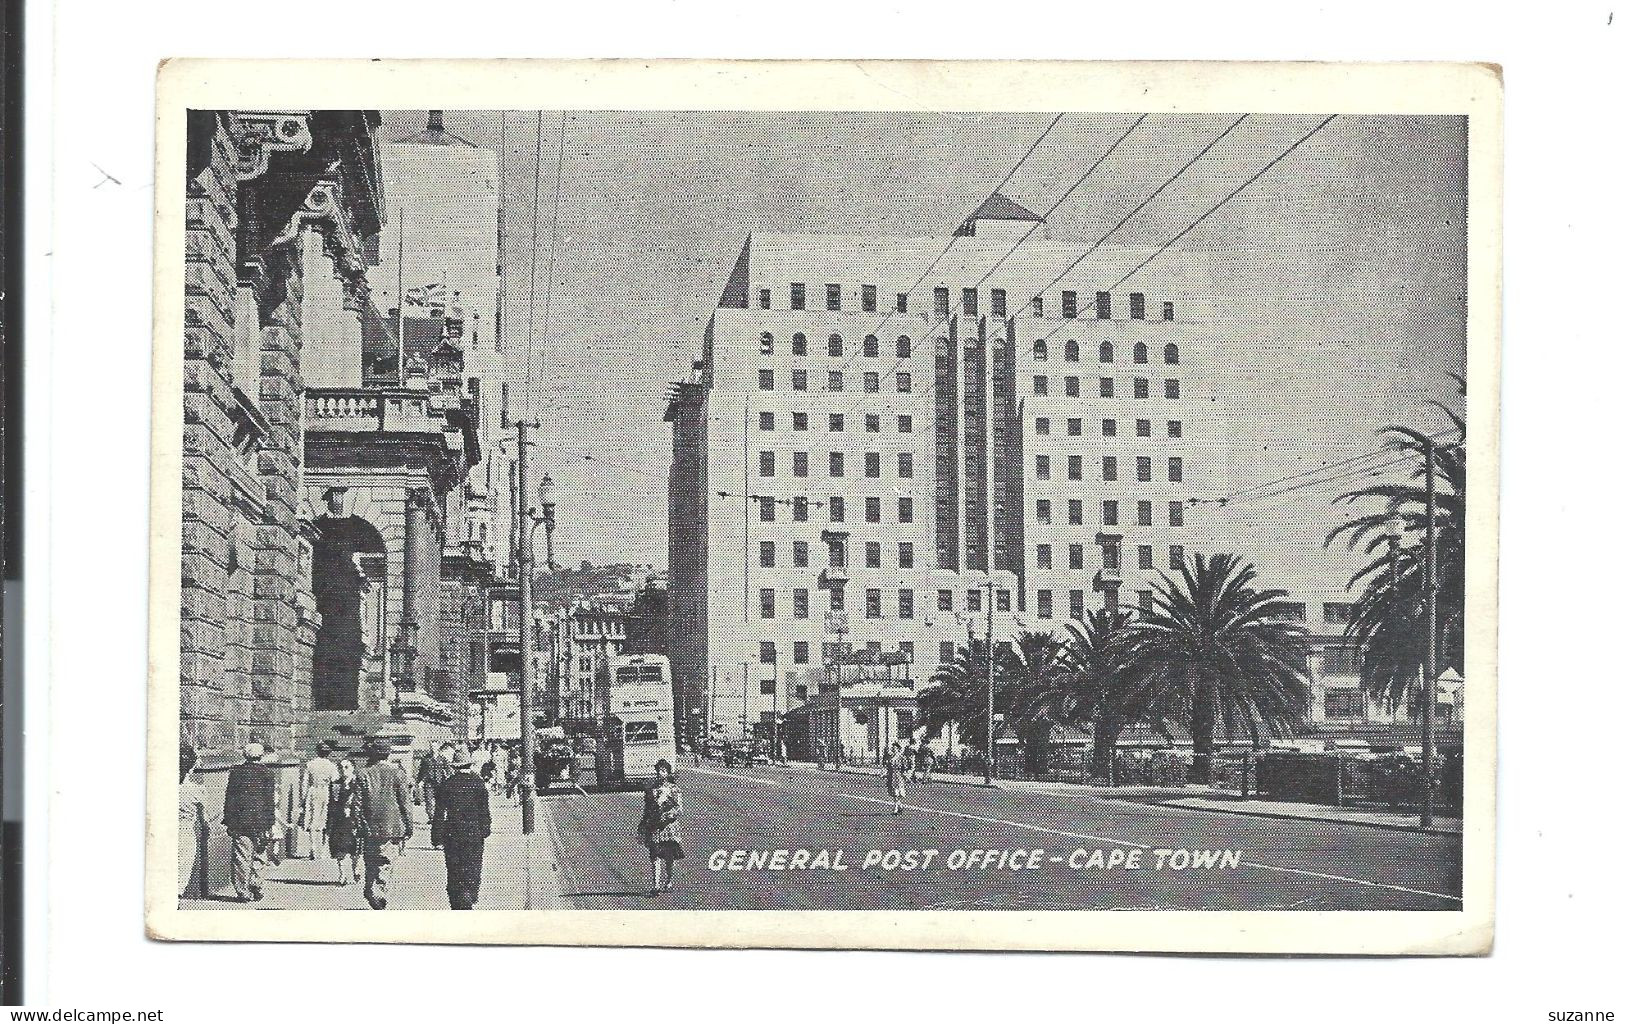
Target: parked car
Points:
(745, 754)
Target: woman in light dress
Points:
(661, 828)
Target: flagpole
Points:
(400, 300)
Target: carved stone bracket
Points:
(324, 209)
(262, 133)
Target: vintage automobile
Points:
(745, 754)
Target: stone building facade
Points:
(316, 506)
(276, 205)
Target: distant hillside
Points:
(588, 580)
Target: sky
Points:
(1339, 276)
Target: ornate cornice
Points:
(259, 134)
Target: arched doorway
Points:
(347, 576)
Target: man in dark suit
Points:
(250, 819)
(462, 822)
(386, 818)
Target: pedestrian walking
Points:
(488, 773)
(344, 822)
(193, 813)
(462, 823)
(896, 776)
(924, 761)
(818, 753)
(911, 759)
(435, 769)
(289, 800)
(251, 818)
(661, 826)
(386, 813)
(320, 774)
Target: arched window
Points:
(798, 345)
(1072, 350)
(1139, 352)
(767, 344)
(1040, 349)
(1170, 354)
(871, 346)
(834, 344)
(904, 347)
(1106, 352)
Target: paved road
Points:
(1274, 865)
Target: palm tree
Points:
(957, 695)
(1222, 647)
(1389, 622)
(1034, 672)
(1103, 692)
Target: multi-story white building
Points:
(861, 454)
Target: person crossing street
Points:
(924, 761)
(896, 776)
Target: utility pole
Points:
(987, 772)
(838, 621)
(744, 701)
(1430, 661)
(527, 709)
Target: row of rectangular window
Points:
(767, 464)
(1043, 511)
(836, 381)
(1077, 602)
(767, 602)
(800, 599)
(1107, 352)
(837, 509)
(1108, 468)
(800, 551)
(1335, 613)
(1043, 556)
(1108, 512)
(801, 650)
(837, 422)
(767, 608)
(1108, 387)
(836, 345)
(1108, 427)
(969, 301)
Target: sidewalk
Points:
(1316, 812)
(1192, 798)
(521, 873)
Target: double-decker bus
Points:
(638, 728)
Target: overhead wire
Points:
(1095, 246)
(955, 235)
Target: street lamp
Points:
(544, 497)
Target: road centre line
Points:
(731, 775)
(1093, 839)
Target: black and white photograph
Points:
(963, 514)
